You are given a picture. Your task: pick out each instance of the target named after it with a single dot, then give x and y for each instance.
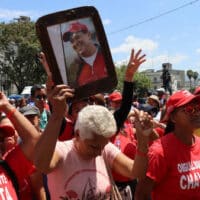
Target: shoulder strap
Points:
(11, 174)
(48, 114)
(115, 192)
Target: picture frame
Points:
(77, 51)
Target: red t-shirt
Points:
(126, 142)
(92, 73)
(160, 132)
(175, 168)
(7, 190)
(67, 134)
(22, 168)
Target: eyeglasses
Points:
(191, 108)
(39, 97)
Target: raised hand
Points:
(143, 122)
(49, 82)
(144, 127)
(136, 59)
(43, 61)
(58, 98)
(3, 101)
(57, 94)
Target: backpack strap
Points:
(11, 174)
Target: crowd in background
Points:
(148, 148)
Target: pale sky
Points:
(166, 30)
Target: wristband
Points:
(11, 113)
(140, 153)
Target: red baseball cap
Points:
(197, 91)
(7, 130)
(115, 96)
(178, 99)
(73, 28)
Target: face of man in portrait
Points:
(82, 43)
(80, 38)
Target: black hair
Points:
(169, 127)
(36, 88)
(135, 97)
(73, 102)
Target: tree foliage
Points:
(18, 48)
(120, 76)
(142, 82)
(195, 75)
(189, 74)
(192, 74)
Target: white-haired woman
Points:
(77, 168)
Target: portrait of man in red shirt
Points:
(89, 65)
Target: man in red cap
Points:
(90, 65)
(115, 100)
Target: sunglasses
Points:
(39, 97)
(191, 108)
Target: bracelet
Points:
(11, 113)
(140, 153)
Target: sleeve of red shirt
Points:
(21, 166)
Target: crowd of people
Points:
(107, 146)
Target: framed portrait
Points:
(77, 51)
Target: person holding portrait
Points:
(79, 168)
(89, 65)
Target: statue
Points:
(166, 78)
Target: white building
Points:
(177, 77)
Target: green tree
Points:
(142, 82)
(18, 48)
(120, 76)
(190, 75)
(195, 77)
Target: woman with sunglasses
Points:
(174, 160)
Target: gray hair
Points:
(95, 119)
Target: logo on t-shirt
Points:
(87, 184)
(191, 177)
(7, 190)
